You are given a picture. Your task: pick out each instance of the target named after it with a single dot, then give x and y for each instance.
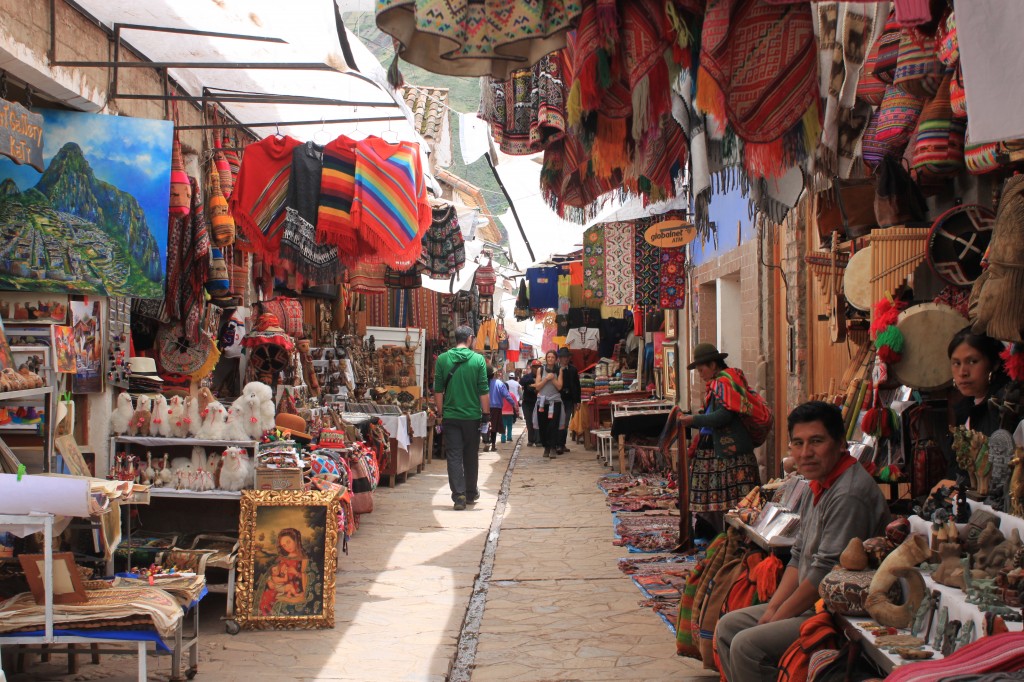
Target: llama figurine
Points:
(141, 418)
(176, 415)
(161, 425)
(121, 417)
(236, 471)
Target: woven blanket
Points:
(593, 263)
(22, 613)
(288, 312)
(672, 291)
(444, 248)
(758, 71)
(526, 111)
(646, 267)
(188, 251)
(261, 194)
(303, 255)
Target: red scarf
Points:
(819, 487)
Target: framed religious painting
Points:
(669, 369)
(671, 316)
(288, 551)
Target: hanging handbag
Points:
(918, 71)
(888, 51)
(847, 208)
(897, 119)
(957, 94)
(939, 144)
(898, 199)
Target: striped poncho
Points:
(261, 194)
(337, 190)
(390, 210)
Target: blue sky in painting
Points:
(133, 154)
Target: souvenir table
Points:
(407, 448)
(600, 408)
(1007, 522)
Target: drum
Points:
(927, 329)
(857, 280)
(957, 242)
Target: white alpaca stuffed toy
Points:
(177, 416)
(161, 421)
(256, 409)
(122, 415)
(212, 427)
(181, 467)
(141, 418)
(193, 417)
(234, 429)
(236, 472)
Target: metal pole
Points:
(254, 66)
(271, 124)
(511, 205)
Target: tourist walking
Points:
(462, 402)
(530, 402)
(570, 396)
(499, 399)
(548, 413)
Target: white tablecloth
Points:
(398, 426)
(418, 421)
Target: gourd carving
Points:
(901, 563)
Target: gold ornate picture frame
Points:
(288, 552)
(669, 369)
(671, 317)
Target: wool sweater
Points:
(852, 507)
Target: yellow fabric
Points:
(576, 296)
(486, 336)
(563, 286)
(559, 341)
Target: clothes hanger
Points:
(322, 132)
(389, 133)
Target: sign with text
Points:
(21, 134)
(670, 234)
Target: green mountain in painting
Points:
(74, 232)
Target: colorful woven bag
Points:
(957, 94)
(992, 156)
(897, 119)
(918, 69)
(939, 145)
(947, 44)
(888, 51)
(181, 188)
(221, 223)
(870, 88)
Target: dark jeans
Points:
(548, 427)
(532, 434)
(462, 455)
(563, 434)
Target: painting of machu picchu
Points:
(95, 220)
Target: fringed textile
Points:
(188, 258)
(619, 287)
(593, 263)
(261, 195)
(302, 255)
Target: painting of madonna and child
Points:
(289, 563)
(94, 221)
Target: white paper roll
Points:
(61, 496)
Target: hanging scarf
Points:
(261, 194)
(758, 72)
(646, 267)
(302, 255)
(846, 32)
(527, 111)
(337, 191)
(672, 289)
(619, 287)
(390, 210)
(188, 251)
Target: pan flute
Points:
(895, 254)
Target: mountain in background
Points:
(70, 185)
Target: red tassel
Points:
(886, 313)
(889, 356)
(869, 424)
(1013, 361)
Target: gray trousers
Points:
(462, 455)
(748, 651)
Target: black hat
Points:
(705, 352)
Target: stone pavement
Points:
(556, 606)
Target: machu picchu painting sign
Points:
(94, 221)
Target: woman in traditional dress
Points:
(723, 468)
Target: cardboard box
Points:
(279, 479)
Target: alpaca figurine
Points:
(256, 408)
(234, 429)
(212, 427)
(176, 417)
(194, 416)
(213, 466)
(166, 476)
(203, 480)
(141, 418)
(121, 417)
(236, 471)
(161, 418)
(182, 469)
(148, 474)
(204, 397)
(198, 457)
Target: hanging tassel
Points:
(604, 69)
(767, 576)
(765, 159)
(886, 314)
(574, 105)
(890, 337)
(889, 356)
(1013, 361)
(395, 78)
(683, 37)
(608, 152)
(607, 20)
(811, 124)
(710, 98)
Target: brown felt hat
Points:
(705, 352)
(294, 424)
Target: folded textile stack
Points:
(586, 386)
(141, 384)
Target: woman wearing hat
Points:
(723, 469)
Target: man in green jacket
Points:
(462, 399)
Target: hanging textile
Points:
(473, 38)
(593, 263)
(403, 279)
(646, 267)
(672, 289)
(261, 194)
(304, 187)
(390, 210)
(527, 111)
(302, 255)
(563, 289)
(188, 252)
(522, 309)
(485, 278)
(846, 32)
(543, 286)
(337, 191)
(288, 312)
(618, 275)
(368, 278)
(758, 71)
(444, 249)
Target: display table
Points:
(1007, 522)
(408, 440)
(599, 409)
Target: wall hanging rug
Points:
(188, 258)
(261, 194)
(288, 313)
(390, 210)
(758, 71)
(444, 248)
(618, 250)
(403, 279)
(845, 33)
(672, 290)
(527, 111)
(646, 267)
(304, 187)
(178, 355)
(593, 263)
(476, 38)
(302, 255)
(337, 191)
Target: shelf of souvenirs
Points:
(26, 393)
(156, 441)
(958, 609)
(194, 495)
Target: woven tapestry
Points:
(618, 250)
(673, 278)
(593, 263)
(646, 267)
